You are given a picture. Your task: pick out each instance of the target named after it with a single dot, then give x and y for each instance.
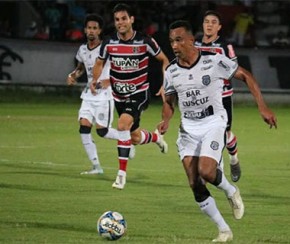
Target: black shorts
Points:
(228, 105)
(134, 105)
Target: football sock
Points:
(147, 137)
(112, 134)
(90, 148)
(208, 206)
(124, 146)
(222, 183)
(232, 147)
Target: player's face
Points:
(181, 42)
(211, 25)
(92, 30)
(123, 22)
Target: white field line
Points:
(75, 166)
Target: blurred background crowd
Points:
(262, 23)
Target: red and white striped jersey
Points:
(129, 63)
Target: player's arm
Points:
(231, 53)
(268, 116)
(97, 70)
(167, 112)
(161, 57)
(74, 75)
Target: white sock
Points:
(112, 134)
(122, 172)
(226, 186)
(209, 207)
(124, 135)
(90, 148)
(234, 159)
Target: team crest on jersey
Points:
(190, 77)
(136, 49)
(206, 80)
(214, 145)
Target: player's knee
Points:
(85, 129)
(200, 194)
(102, 131)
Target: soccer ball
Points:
(111, 225)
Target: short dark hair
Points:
(181, 23)
(94, 17)
(214, 13)
(123, 7)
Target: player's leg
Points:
(210, 158)
(142, 136)
(124, 145)
(104, 115)
(139, 104)
(204, 200)
(231, 141)
(86, 122)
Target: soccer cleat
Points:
(97, 169)
(119, 182)
(237, 204)
(235, 171)
(132, 152)
(224, 236)
(161, 143)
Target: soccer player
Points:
(99, 109)
(211, 41)
(196, 79)
(128, 51)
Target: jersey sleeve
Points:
(105, 75)
(78, 56)
(225, 67)
(153, 47)
(103, 50)
(168, 84)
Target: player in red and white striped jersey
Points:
(128, 52)
(212, 42)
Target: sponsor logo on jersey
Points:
(126, 64)
(207, 67)
(206, 61)
(206, 80)
(192, 93)
(173, 70)
(123, 88)
(195, 102)
(223, 65)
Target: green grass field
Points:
(44, 199)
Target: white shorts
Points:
(206, 140)
(98, 112)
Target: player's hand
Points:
(105, 83)
(70, 80)
(94, 86)
(163, 127)
(269, 117)
(161, 93)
